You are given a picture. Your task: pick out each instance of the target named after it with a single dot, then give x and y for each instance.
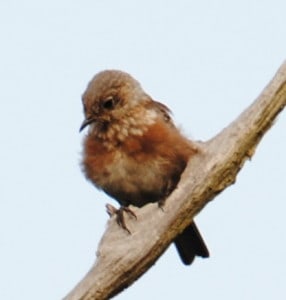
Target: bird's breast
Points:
(138, 170)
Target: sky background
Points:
(207, 60)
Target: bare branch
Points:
(122, 258)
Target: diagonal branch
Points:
(122, 258)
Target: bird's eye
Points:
(108, 103)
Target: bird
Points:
(133, 151)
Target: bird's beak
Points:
(85, 123)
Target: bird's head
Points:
(110, 97)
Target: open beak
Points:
(85, 123)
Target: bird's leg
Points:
(111, 210)
(161, 203)
(168, 190)
(120, 217)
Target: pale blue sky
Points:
(207, 60)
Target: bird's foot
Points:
(111, 210)
(161, 204)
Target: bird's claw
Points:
(111, 210)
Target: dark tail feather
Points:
(190, 244)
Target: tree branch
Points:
(122, 258)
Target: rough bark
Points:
(122, 258)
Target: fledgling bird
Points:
(133, 151)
